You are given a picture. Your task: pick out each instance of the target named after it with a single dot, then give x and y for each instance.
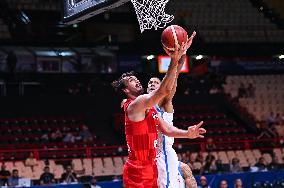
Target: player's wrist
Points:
(174, 60)
(183, 133)
(190, 134)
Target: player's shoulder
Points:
(137, 102)
(140, 99)
(123, 102)
(146, 95)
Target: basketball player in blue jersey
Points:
(171, 172)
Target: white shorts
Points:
(168, 169)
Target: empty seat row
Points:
(247, 158)
(106, 166)
(269, 94)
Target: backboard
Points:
(78, 10)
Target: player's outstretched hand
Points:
(189, 41)
(196, 131)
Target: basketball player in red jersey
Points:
(142, 123)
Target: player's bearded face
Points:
(153, 84)
(134, 86)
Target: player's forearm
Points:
(172, 131)
(173, 90)
(166, 86)
(169, 79)
(180, 63)
(176, 133)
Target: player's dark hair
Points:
(119, 84)
(156, 76)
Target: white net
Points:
(151, 14)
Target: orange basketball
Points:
(173, 35)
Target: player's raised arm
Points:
(192, 132)
(141, 103)
(169, 97)
(166, 102)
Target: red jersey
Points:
(140, 169)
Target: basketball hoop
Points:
(151, 14)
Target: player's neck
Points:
(132, 97)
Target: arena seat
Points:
(108, 166)
(27, 132)
(58, 171)
(77, 164)
(224, 24)
(197, 166)
(27, 172)
(215, 154)
(9, 165)
(250, 157)
(278, 153)
(118, 165)
(231, 155)
(98, 167)
(52, 164)
(268, 98)
(223, 157)
(256, 153)
(37, 172)
(87, 166)
(241, 156)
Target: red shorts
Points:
(137, 175)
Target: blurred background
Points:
(61, 121)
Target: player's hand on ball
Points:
(177, 53)
(180, 50)
(196, 131)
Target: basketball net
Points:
(151, 14)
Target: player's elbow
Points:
(165, 91)
(169, 134)
(167, 131)
(168, 89)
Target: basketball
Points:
(172, 35)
